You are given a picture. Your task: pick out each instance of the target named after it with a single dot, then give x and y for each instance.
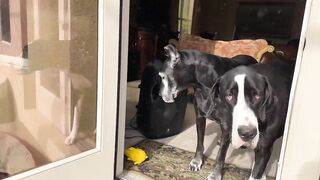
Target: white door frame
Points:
(125, 11)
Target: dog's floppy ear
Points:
(215, 99)
(270, 99)
(215, 90)
(172, 53)
(208, 98)
(204, 74)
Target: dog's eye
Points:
(229, 96)
(161, 75)
(257, 97)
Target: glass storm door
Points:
(58, 89)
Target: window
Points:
(185, 16)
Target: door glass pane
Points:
(48, 99)
(5, 20)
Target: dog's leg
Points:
(76, 121)
(264, 177)
(262, 156)
(196, 162)
(221, 156)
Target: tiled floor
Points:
(187, 138)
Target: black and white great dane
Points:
(254, 99)
(191, 68)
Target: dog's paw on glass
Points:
(69, 140)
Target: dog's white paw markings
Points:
(195, 164)
(219, 142)
(69, 140)
(264, 177)
(214, 176)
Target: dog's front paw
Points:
(195, 164)
(214, 176)
(264, 177)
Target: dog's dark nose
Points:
(247, 133)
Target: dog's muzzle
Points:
(247, 133)
(246, 136)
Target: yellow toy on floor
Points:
(136, 155)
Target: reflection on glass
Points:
(48, 81)
(5, 21)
